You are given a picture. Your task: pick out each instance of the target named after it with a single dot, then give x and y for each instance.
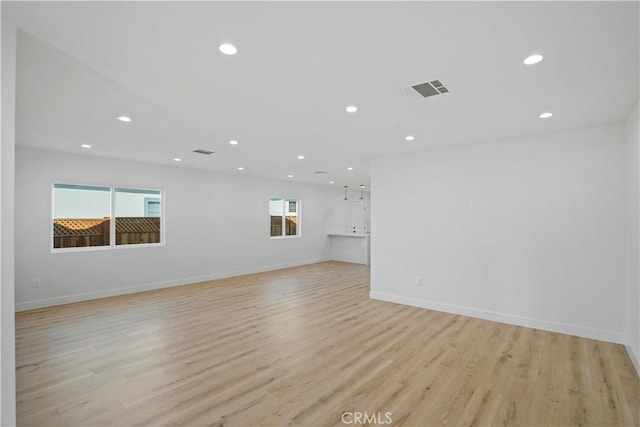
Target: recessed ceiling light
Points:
(332, 182)
(178, 159)
(289, 176)
(240, 168)
(300, 157)
(233, 142)
(545, 115)
(533, 59)
(85, 146)
(409, 138)
(228, 49)
(125, 119)
(351, 109)
(349, 168)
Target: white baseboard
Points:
(634, 359)
(68, 299)
(580, 331)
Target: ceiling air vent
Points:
(201, 151)
(322, 172)
(434, 87)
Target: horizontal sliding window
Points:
(98, 216)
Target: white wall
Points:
(74, 203)
(7, 178)
(204, 238)
(133, 204)
(528, 231)
(633, 234)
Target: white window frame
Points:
(285, 209)
(112, 222)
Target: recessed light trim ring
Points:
(228, 49)
(533, 59)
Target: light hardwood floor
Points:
(302, 346)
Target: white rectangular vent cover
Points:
(434, 87)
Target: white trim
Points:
(634, 359)
(546, 325)
(68, 299)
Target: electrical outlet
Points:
(419, 281)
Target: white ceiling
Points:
(82, 64)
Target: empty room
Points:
(320, 213)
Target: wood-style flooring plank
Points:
(305, 346)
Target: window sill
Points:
(104, 248)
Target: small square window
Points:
(284, 217)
